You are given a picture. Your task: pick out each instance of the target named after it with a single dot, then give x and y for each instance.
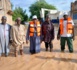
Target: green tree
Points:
(11, 6)
(36, 7)
(19, 12)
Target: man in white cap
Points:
(66, 32)
(4, 36)
(18, 36)
(33, 34)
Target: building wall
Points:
(73, 14)
(54, 16)
(5, 6)
(74, 11)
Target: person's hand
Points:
(40, 41)
(58, 37)
(27, 42)
(73, 38)
(11, 41)
(23, 42)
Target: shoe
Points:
(46, 49)
(51, 50)
(6, 55)
(16, 53)
(21, 52)
(71, 51)
(62, 50)
(0, 55)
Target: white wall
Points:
(54, 16)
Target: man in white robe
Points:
(4, 36)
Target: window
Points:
(75, 16)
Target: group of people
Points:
(14, 35)
(36, 33)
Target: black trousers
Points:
(50, 45)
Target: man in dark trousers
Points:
(66, 32)
(48, 33)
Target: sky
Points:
(61, 5)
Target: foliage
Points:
(19, 12)
(36, 7)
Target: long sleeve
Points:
(73, 29)
(52, 31)
(42, 36)
(27, 35)
(11, 33)
(58, 31)
(53, 34)
(73, 32)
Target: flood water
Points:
(54, 60)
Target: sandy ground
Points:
(55, 60)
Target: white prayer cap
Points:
(34, 17)
(65, 13)
(18, 18)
